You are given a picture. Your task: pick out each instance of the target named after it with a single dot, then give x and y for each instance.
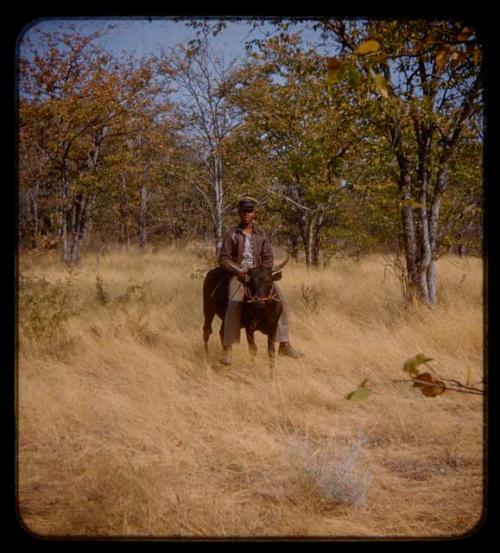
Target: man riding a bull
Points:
(245, 247)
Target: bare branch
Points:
(463, 389)
(296, 204)
(205, 195)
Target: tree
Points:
(207, 120)
(305, 131)
(426, 90)
(74, 100)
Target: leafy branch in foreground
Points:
(431, 385)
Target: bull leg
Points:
(271, 350)
(207, 328)
(251, 342)
(271, 338)
(221, 333)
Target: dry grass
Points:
(125, 429)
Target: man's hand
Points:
(243, 275)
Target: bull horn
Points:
(281, 265)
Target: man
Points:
(246, 246)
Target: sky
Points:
(141, 36)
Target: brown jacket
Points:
(233, 245)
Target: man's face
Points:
(247, 217)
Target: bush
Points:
(43, 306)
(309, 296)
(333, 470)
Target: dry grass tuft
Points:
(126, 429)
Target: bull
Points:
(260, 310)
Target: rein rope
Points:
(252, 299)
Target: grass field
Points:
(126, 429)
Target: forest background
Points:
(374, 147)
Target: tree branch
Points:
(205, 195)
(296, 204)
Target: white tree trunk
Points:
(143, 219)
(219, 203)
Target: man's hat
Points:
(247, 204)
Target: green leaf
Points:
(353, 76)
(332, 76)
(469, 377)
(411, 364)
(361, 392)
(368, 47)
(381, 85)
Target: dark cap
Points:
(247, 204)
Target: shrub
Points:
(333, 469)
(43, 306)
(309, 295)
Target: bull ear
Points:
(277, 276)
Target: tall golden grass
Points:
(126, 429)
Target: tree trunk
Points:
(65, 216)
(431, 281)
(294, 247)
(142, 219)
(33, 211)
(310, 242)
(124, 230)
(219, 203)
(88, 223)
(72, 220)
(420, 242)
(410, 239)
(309, 231)
(318, 222)
(420, 266)
(305, 234)
(76, 225)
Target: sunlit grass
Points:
(125, 428)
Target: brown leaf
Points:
(432, 391)
(424, 381)
(423, 377)
(457, 57)
(333, 64)
(477, 57)
(442, 56)
(465, 33)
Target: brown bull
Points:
(261, 307)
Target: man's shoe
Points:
(286, 349)
(226, 356)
